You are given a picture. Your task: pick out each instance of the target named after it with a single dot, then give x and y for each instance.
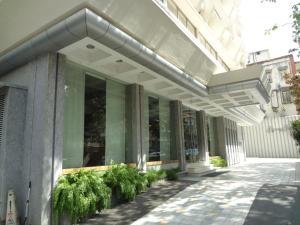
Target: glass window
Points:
(182, 18)
(191, 28)
(154, 129)
(201, 38)
(146, 126)
(208, 139)
(211, 136)
(274, 100)
(164, 129)
(286, 97)
(73, 118)
(192, 153)
(115, 142)
(157, 132)
(94, 122)
(172, 7)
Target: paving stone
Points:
(227, 198)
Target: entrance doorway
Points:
(192, 153)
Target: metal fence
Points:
(271, 139)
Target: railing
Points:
(174, 9)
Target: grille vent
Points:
(2, 110)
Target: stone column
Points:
(201, 121)
(227, 140)
(134, 125)
(221, 136)
(13, 111)
(177, 135)
(212, 147)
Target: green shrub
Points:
(82, 194)
(138, 179)
(79, 195)
(125, 182)
(161, 174)
(172, 173)
(218, 161)
(296, 130)
(154, 175)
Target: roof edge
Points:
(86, 23)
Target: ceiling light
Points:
(89, 46)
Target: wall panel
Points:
(271, 139)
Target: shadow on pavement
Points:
(215, 174)
(275, 205)
(144, 203)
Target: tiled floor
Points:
(226, 198)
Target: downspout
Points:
(86, 23)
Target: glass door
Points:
(190, 136)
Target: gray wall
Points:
(229, 141)
(11, 148)
(271, 139)
(177, 133)
(43, 134)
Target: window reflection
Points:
(154, 129)
(190, 136)
(94, 121)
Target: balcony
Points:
(190, 27)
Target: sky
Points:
(258, 16)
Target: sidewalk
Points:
(144, 203)
(269, 184)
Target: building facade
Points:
(91, 83)
(272, 137)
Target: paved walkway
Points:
(226, 199)
(127, 213)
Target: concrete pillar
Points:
(177, 135)
(135, 152)
(227, 140)
(12, 123)
(221, 137)
(42, 146)
(201, 121)
(212, 138)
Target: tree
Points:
(294, 81)
(291, 79)
(296, 25)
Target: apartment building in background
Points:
(272, 138)
(155, 84)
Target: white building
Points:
(272, 137)
(85, 82)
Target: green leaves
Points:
(172, 174)
(80, 195)
(296, 130)
(125, 181)
(153, 176)
(294, 82)
(218, 161)
(296, 24)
